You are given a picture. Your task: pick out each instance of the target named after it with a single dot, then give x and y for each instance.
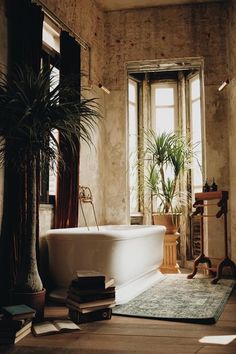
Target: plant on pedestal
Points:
(31, 108)
(170, 156)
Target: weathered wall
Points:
(162, 33)
(231, 91)
(166, 32)
(86, 20)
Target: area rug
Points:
(177, 298)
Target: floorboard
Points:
(127, 335)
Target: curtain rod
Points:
(61, 24)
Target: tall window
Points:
(164, 107)
(50, 60)
(196, 131)
(133, 145)
(164, 110)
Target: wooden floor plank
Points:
(127, 335)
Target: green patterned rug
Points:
(177, 298)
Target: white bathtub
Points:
(131, 254)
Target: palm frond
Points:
(30, 111)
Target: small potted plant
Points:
(170, 155)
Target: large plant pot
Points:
(170, 221)
(34, 300)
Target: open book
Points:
(53, 327)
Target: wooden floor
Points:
(125, 335)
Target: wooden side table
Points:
(222, 197)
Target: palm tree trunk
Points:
(29, 279)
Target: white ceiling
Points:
(112, 5)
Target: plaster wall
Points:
(231, 91)
(163, 33)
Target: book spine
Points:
(90, 292)
(93, 297)
(84, 284)
(99, 315)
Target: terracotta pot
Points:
(34, 300)
(170, 221)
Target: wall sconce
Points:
(223, 85)
(104, 89)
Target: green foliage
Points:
(170, 155)
(30, 111)
(31, 108)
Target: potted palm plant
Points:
(170, 155)
(31, 108)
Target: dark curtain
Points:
(66, 211)
(25, 22)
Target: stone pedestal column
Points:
(169, 262)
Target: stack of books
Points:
(90, 297)
(15, 323)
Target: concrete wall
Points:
(157, 33)
(163, 33)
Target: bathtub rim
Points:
(106, 232)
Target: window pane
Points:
(52, 169)
(133, 147)
(51, 37)
(132, 119)
(195, 106)
(195, 89)
(165, 120)
(132, 92)
(55, 74)
(164, 96)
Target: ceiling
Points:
(112, 5)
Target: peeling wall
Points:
(118, 37)
(161, 33)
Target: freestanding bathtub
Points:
(131, 254)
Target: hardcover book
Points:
(14, 325)
(91, 280)
(90, 297)
(74, 306)
(12, 337)
(53, 327)
(18, 311)
(98, 315)
(84, 292)
(91, 304)
(13, 332)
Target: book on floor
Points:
(88, 309)
(98, 315)
(9, 324)
(91, 280)
(53, 327)
(12, 336)
(90, 295)
(4, 331)
(91, 304)
(14, 339)
(15, 312)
